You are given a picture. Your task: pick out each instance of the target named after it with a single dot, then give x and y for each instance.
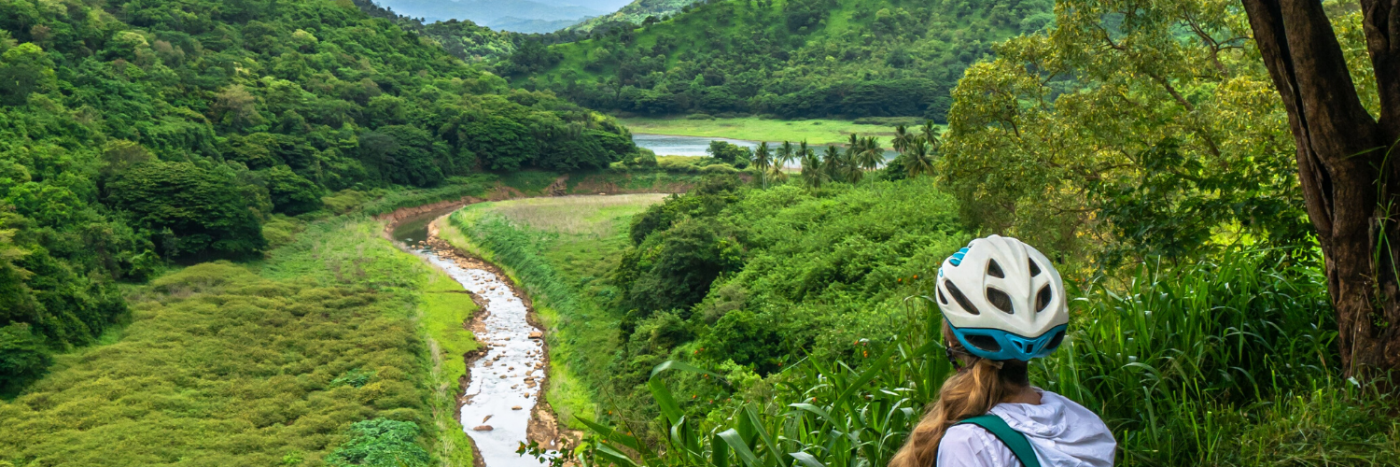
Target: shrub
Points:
(380, 443)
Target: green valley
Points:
(716, 233)
(789, 58)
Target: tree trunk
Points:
(1349, 186)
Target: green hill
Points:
(135, 134)
(787, 58)
(632, 14)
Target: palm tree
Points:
(786, 153)
(832, 164)
(917, 159)
(902, 138)
(762, 160)
(870, 155)
(811, 169)
(930, 132)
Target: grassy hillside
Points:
(789, 58)
(633, 13)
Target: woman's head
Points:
(978, 385)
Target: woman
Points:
(1003, 304)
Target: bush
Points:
(380, 443)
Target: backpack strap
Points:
(1014, 440)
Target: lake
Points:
(670, 145)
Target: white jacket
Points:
(1063, 433)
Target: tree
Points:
(763, 160)
(1350, 183)
(784, 155)
(735, 155)
(203, 211)
(291, 193)
(1055, 115)
(833, 164)
(902, 138)
(23, 70)
(917, 160)
(812, 168)
(871, 154)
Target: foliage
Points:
(22, 358)
(1168, 135)
(380, 443)
(639, 12)
(136, 133)
(793, 58)
(198, 213)
(737, 156)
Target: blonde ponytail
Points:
(970, 392)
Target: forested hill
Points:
(633, 13)
(134, 133)
(789, 58)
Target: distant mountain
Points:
(528, 26)
(490, 12)
(633, 13)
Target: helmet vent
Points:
(994, 269)
(1035, 268)
(960, 298)
(984, 343)
(942, 298)
(999, 299)
(1042, 299)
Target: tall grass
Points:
(574, 215)
(1227, 362)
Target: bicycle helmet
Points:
(1003, 299)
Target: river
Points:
(505, 381)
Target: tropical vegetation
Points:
(788, 58)
(136, 134)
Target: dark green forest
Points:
(134, 134)
(791, 58)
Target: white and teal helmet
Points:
(1003, 299)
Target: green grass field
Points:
(278, 357)
(558, 250)
(814, 131)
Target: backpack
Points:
(1014, 440)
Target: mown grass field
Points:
(559, 250)
(814, 131)
(265, 363)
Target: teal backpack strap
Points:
(1013, 439)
